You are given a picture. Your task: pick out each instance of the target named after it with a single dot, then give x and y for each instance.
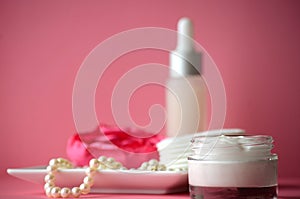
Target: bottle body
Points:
(233, 167)
(186, 105)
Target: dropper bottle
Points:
(186, 91)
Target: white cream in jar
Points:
(233, 167)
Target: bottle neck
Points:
(185, 63)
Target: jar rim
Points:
(241, 140)
(266, 138)
(236, 147)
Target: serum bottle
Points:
(186, 91)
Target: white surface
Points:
(111, 181)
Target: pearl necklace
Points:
(101, 163)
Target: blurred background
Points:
(255, 44)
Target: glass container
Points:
(240, 167)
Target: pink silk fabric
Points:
(131, 148)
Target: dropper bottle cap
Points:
(185, 60)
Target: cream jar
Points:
(232, 167)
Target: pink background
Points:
(256, 45)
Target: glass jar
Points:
(240, 167)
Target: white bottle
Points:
(186, 91)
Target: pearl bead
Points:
(110, 160)
(85, 188)
(49, 178)
(76, 192)
(153, 162)
(48, 184)
(55, 192)
(61, 160)
(48, 191)
(88, 180)
(151, 168)
(64, 163)
(52, 168)
(94, 163)
(161, 167)
(116, 165)
(177, 169)
(102, 167)
(65, 192)
(102, 158)
(53, 162)
(90, 171)
(144, 165)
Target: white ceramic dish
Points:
(112, 181)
